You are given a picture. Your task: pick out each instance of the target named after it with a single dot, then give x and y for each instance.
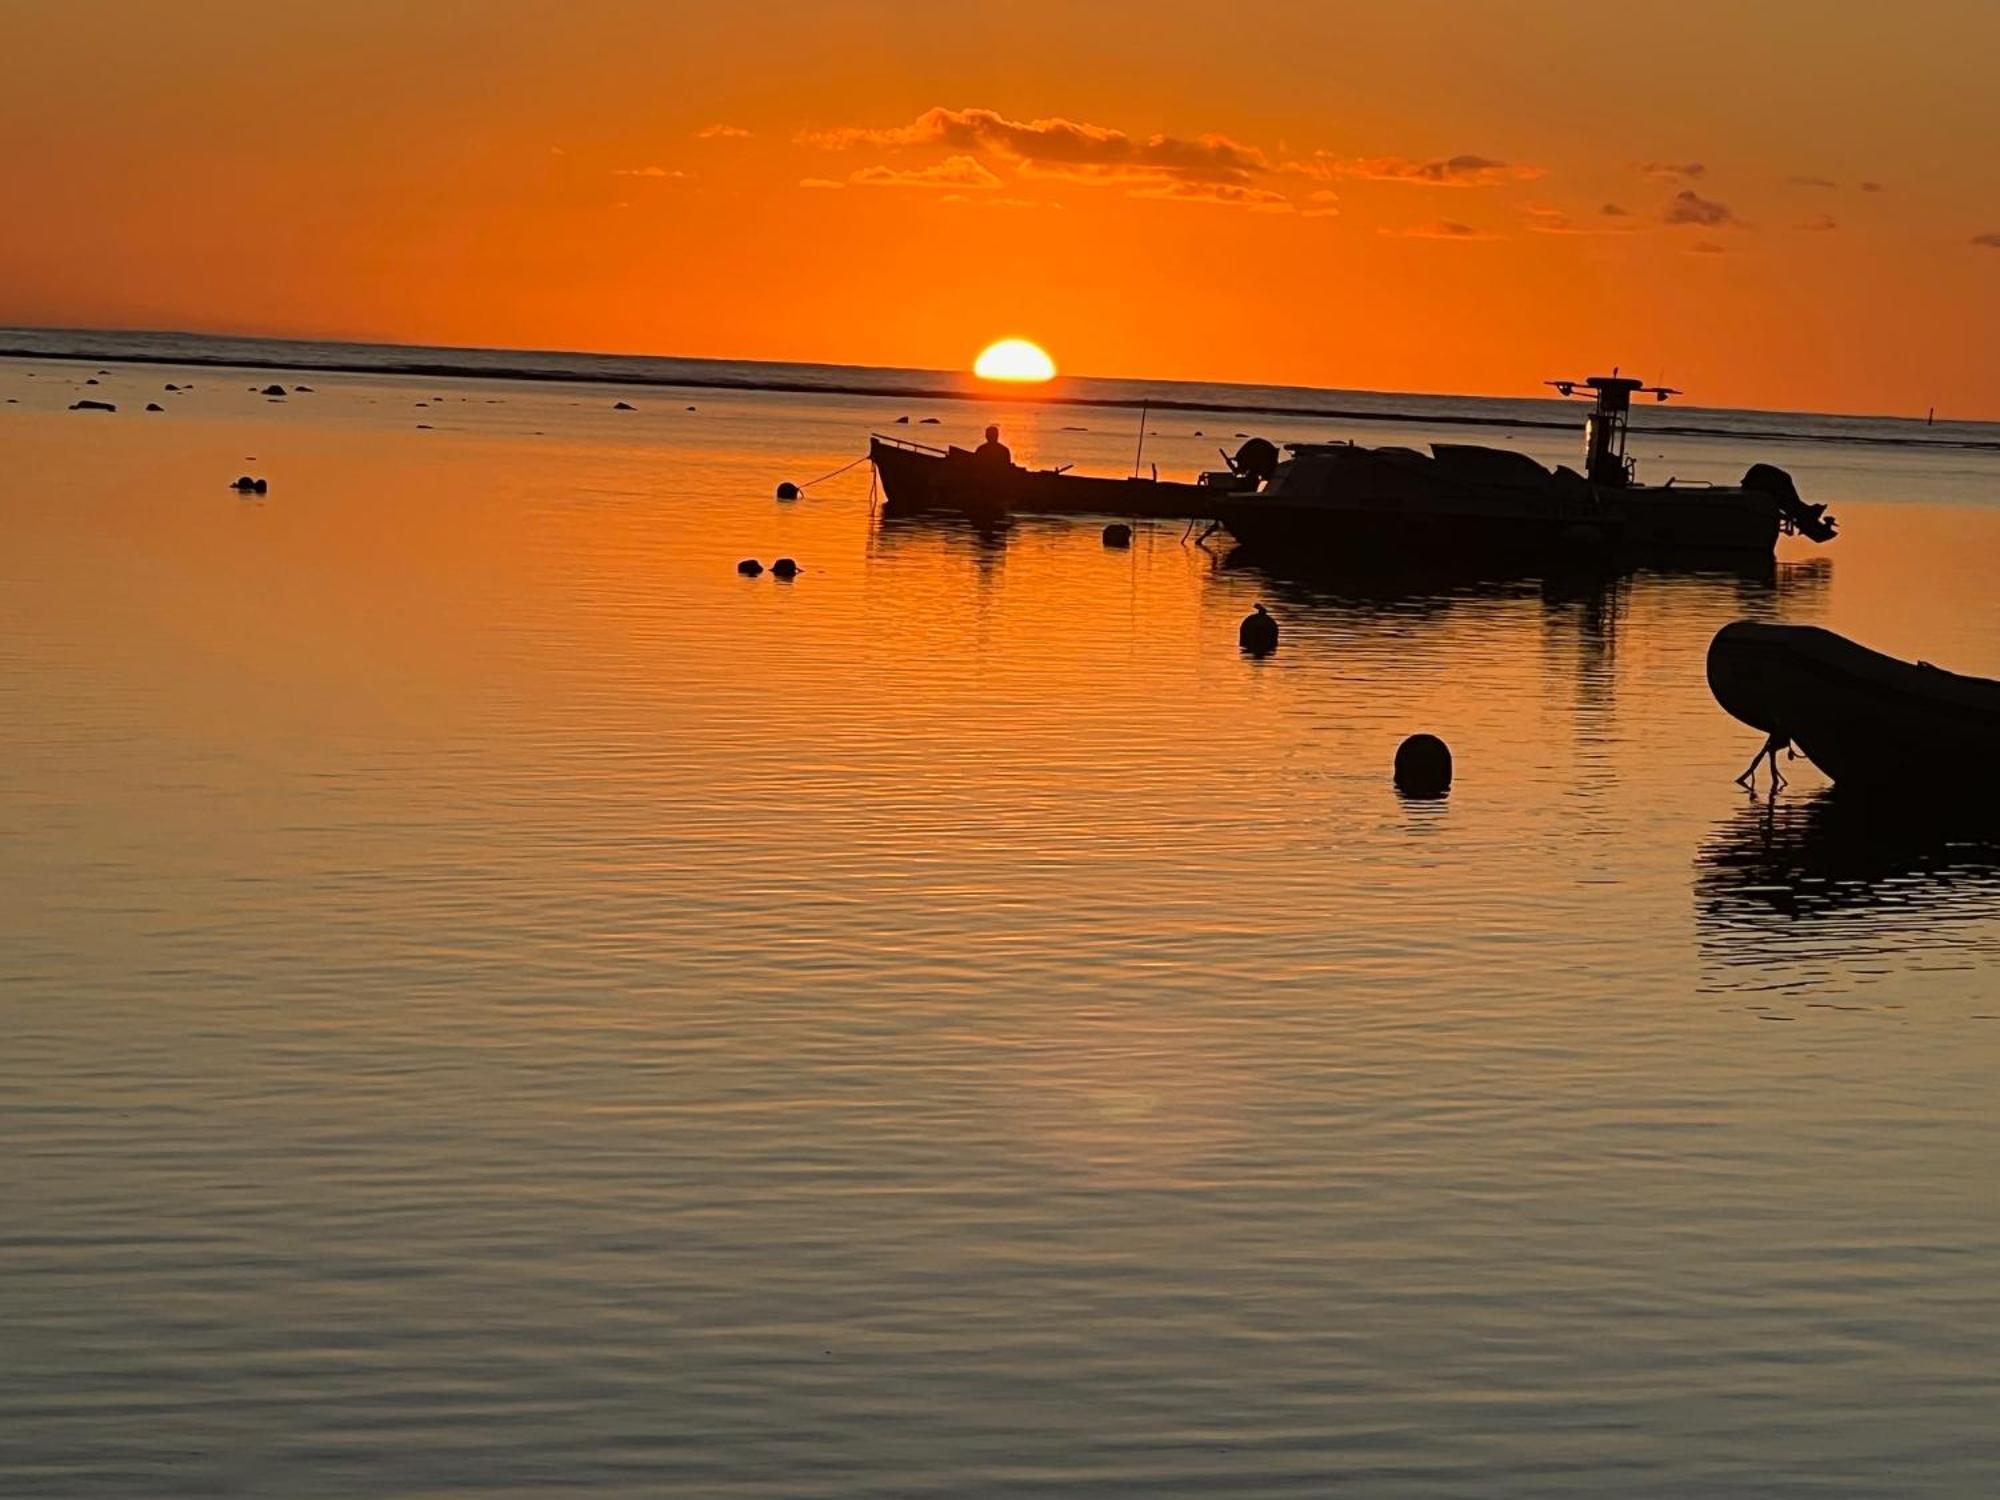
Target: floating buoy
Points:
(788, 491)
(1423, 766)
(784, 567)
(1118, 534)
(749, 567)
(1258, 634)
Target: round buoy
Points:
(1258, 634)
(1118, 534)
(788, 491)
(784, 567)
(1423, 766)
(749, 567)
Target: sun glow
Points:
(1014, 359)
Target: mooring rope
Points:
(834, 474)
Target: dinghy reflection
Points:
(1827, 889)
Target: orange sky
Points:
(1416, 192)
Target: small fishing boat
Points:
(1345, 500)
(917, 478)
(1862, 717)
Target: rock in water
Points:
(301, 388)
(1118, 534)
(784, 567)
(1258, 634)
(623, 406)
(274, 390)
(1423, 766)
(749, 567)
(92, 406)
(154, 406)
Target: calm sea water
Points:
(496, 1001)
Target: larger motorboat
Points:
(1343, 500)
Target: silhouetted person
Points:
(993, 450)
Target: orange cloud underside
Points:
(1313, 195)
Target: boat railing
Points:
(909, 443)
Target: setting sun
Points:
(1014, 359)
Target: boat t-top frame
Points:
(1604, 460)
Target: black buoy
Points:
(789, 491)
(1118, 534)
(1423, 766)
(1258, 634)
(784, 567)
(749, 567)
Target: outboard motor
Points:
(1256, 461)
(1794, 514)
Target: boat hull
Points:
(916, 481)
(1860, 716)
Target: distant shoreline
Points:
(527, 373)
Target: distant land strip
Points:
(917, 393)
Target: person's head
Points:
(993, 434)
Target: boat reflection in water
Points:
(1831, 889)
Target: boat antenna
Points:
(1144, 407)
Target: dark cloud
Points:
(1820, 223)
(1689, 207)
(1813, 182)
(1613, 211)
(1987, 241)
(1873, 187)
(1707, 247)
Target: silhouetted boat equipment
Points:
(1863, 718)
(1342, 500)
(917, 478)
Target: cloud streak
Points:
(722, 133)
(1442, 229)
(1685, 170)
(1063, 148)
(1463, 171)
(1987, 241)
(958, 172)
